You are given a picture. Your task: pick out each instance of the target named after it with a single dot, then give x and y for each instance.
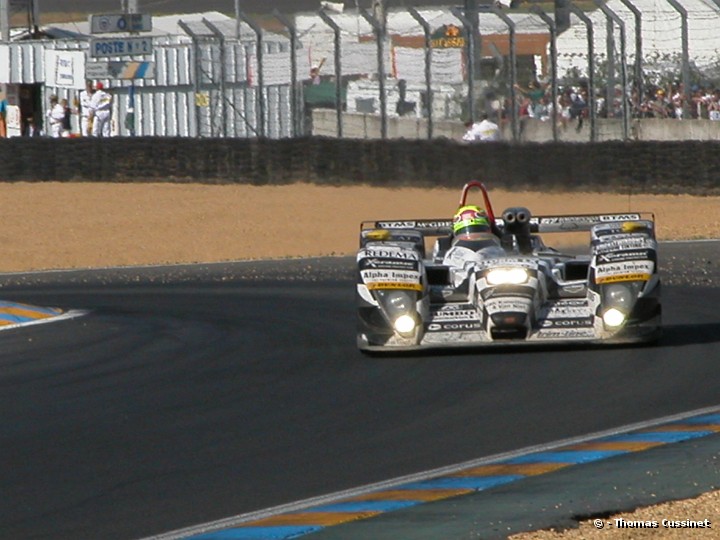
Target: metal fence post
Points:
(223, 75)
(338, 70)
(513, 70)
(428, 67)
(611, 15)
(592, 104)
(685, 54)
(261, 78)
(294, 99)
(470, 52)
(639, 77)
(379, 28)
(195, 73)
(553, 64)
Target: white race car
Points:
(523, 292)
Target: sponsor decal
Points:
(568, 223)
(620, 217)
(620, 237)
(454, 327)
(570, 333)
(401, 276)
(507, 305)
(624, 271)
(395, 224)
(415, 224)
(448, 36)
(560, 311)
(631, 255)
(487, 264)
(581, 322)
(389, 252)
(620, 278)
(571, 303)
(627, 228)
(558, 220)
(383, 278)
(393, 264)
(394, 285)
(636, 242)
(455, 315)
(433, 224)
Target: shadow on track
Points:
(678, 335)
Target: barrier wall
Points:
(649, 167)
(367, 126)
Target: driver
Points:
(472, 238)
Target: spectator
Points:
(67, 116)
(483, 131)
(659, 106)
(3, 116)
(84, 105)
(55, 115)
(100, 111)
(542, 109)
(677, 100)
(315, 72)
(535, 91)
(714, 106)
(578, 106)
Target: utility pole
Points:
(8, 8)
(129, 6)
(5, 21)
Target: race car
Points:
(523, 293)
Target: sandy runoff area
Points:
(86, 225)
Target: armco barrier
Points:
(649, 167)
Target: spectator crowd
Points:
(573, 103)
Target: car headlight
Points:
(404, 324)
(507, 276)
(399, 307)
(613, 317)
(618, 300)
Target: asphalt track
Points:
(194, 393)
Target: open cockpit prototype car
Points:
(516, 291)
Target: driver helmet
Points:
(470, 221)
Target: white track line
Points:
(72, 314)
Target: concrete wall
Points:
(367, 126)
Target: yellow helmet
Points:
(470, 219)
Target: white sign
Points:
(4, 63)
(14, 125)
(64, 69)
(120, 22)
(120, 70)
(120, 46)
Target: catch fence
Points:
(246, 78)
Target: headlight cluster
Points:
(400, 309)
(507, 276)
(618, 301)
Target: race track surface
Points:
(194, 393)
